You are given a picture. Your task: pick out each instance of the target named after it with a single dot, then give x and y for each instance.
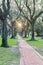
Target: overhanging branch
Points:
(28, 7)
(21, 10)
(33, 8)
(41, 12)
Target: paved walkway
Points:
(28, 55)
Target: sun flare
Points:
(19, 25)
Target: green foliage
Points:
(39, 27)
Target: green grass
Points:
(0, 40)
(37, 42)
(7, 56)
(11, 42)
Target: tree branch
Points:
(4, 7)
(8, 4)
(26, 17)
(6, 10)
(28, 7)
(41, 12)
(33, 8)
(21, 10)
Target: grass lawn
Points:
(11, 42)
(38, 42)
(6, 55)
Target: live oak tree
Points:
(13, 29)
(3, 17)
(14, 15)
(29, 12)
(39, 27)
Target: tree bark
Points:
(13, 33)
(25, 33)
(4, 34)
(32, 25)
(38, 33)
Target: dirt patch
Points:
(15, 49)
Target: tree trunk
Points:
(22, 33)
(28, 34)
(25, 33)
(13, 33)
(38, 33)
(32, 25)
(4, 34)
